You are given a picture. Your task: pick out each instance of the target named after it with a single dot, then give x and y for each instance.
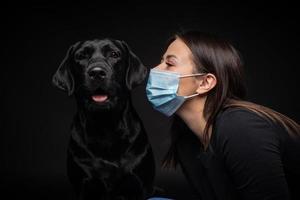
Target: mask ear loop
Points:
(190, 75)
(190, 96)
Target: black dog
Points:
(109, 156)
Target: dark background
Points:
(36, 116)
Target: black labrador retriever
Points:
(109, 156)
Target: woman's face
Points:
(178, 58)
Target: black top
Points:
(249, 157)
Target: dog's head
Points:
(100, 73)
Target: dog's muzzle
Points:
(97, 73)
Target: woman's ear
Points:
(206, 83)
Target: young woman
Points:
(228, 148)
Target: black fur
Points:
(109, 156)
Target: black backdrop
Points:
(36, 117)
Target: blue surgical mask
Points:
(162, 89)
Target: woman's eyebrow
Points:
(169, 56)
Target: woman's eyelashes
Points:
(169, 64)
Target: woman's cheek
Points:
(186, 87)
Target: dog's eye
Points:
(114, 54)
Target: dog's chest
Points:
(107, 146)
(104, 143)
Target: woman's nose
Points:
(161, 66)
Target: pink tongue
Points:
(99, 98)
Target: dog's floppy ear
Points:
(136, 72)
(63, 77)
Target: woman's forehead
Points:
(178, 50)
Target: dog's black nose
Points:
(97, 73)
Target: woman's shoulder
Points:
(238, 116)
(241, 124)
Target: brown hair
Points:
(212, 54)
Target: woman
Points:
(228, 148)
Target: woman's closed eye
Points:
(169, 64)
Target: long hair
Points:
(212, 54)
